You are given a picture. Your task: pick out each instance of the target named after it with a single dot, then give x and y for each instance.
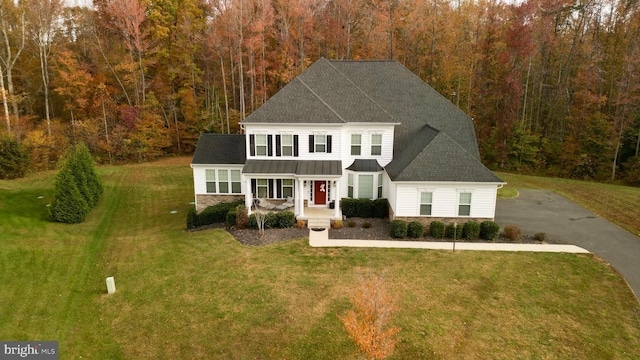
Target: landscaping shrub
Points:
(398, 229)
(349, 207)
(365, 208)
(217, 213)
(14, 159)
(489, 230)
(301, 224)
(542, 237)
(286, 219)
(351, 224)
(253, 222)
(436, 229)
(231, 219)
(192, 218)
(415, 230)
(271, 221)
(366, 225)
(452, 231)
(512, 232)
(381, 208)
(471, 230)
(337, 224)
(242, 218)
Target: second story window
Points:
(320, 143)
(356, 144)
(287, 145)
(376, 144)
(261, 145)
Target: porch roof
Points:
(294, 167)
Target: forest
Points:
(553, 86)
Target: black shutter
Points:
(279, 188)
(270, 192)
(311, 145)
(254, 188)
(329, 143)
(295, 145)
(252, 145)
(270, 145)
(278, 145)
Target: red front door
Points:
(320, 192)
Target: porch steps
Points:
(318, 223)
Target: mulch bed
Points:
(377, 229)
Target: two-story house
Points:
(357, 129)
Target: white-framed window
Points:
(223, 181)
(426, 202)
(320, 144)
(236, 182)
(287, 188)
(210, 175)
(356, 144)
(380, 186)
(350, 185)
(261, 144)
(287, 145)
(464, 204)
(376, 144)
(365, 186)
(262, 188)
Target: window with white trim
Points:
(287, 188)
(376, 144)
(236, 182)
(261, 144)
(223, 181)
(464, 204)
(262, 188)
(426, 202)
(210, 175)
(380, 186)
(356, 144)
(350, 185)
(287, 145)
(365, 186)
(320, 143)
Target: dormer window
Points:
(376, 144)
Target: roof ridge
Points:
(361, 91)
(319, 98)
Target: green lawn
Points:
(203, 295)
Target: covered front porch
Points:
(309, 188)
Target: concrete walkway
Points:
(561, 219)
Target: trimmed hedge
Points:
(231, 219)
(274, 220)
(217, 213)
(415, 230)
(365, 208)
(471, 230)
(489, 230)
(398, 229)
(436, 229)
(192, 218)
(452, 231)
(285, 219)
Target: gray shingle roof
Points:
(220, 149)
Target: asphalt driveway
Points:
(561, 219)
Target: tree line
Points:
(553, 85)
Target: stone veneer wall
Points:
(205, 201)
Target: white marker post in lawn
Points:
(111, 285)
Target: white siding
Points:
(200, 180)
(366, 131)
(445, 199)
(303, 132)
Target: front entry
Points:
(319, 192)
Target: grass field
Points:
(203, 295)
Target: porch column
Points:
(336, 204)
(248, 196)
(300, 197)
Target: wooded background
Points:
(553, 85)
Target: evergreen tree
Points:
(68, 205)
(14, 159)
(88, 172)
